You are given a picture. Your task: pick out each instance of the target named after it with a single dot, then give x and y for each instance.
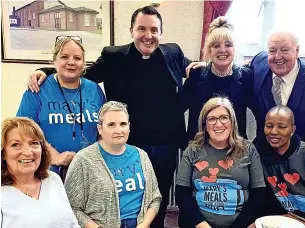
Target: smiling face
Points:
(282, 53)
(21, 154)
(146, 33)
(69, 62)
(222, 54)
(278, 130)
(114, 128)
(219, 132)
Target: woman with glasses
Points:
(220, 181)
(221, 77)
(110, 183)
(66, 107)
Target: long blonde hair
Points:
(236, 142)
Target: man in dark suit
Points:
(279, 79)
(147, 76)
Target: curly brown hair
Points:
(25, 126)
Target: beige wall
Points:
(182, 24)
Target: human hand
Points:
(194, 65)
(252, 225)
(35, 80)
(142, 225)
(64, 158)
(203, 225)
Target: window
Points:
(42, 18)
(253, 20)
(71, 17)
(86, 19)
(57, 15)
(34, 16)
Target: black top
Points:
(203, 85)
(151, 95)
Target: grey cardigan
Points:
(92, 191)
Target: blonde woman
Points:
(220, 182)
(219, 78)
(66, 107)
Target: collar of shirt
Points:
(290, 77)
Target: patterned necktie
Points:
(276, 90)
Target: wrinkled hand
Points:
(64, 158)
(35, 80)
(194, 65)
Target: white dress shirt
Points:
(288, 83)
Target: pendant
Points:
(73, 103)
(119, 171)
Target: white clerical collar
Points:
(146, 57)
(289, 78)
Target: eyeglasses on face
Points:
(75, 38)
(212, 120)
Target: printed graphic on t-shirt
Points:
(282, 192)
(221, 196)
(58, 112)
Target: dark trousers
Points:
(163, 159)
(129, 223)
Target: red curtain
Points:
(212, 10)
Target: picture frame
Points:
(30, 27)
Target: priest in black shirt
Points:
(147, 76)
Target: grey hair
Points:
(292, 34)
(111, 106)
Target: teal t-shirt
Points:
(127, 171)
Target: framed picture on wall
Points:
(30, 28)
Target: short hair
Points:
(219, 30)
(292, 34)
(283, 109)
(236, 142)
(111, 106)
(25, 126)
(146, 10)
(61, 43)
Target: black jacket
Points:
(240, 94)
(111, 69)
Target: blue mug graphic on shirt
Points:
(292, 202)
(221, 197)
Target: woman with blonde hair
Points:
(111, 183)
(31, 196)
(66, 107)
(220, 180)
(221, 77)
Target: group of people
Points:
(125, 161)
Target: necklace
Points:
(118, 170)
(221, 75)
(72, 100)
(28, 193)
